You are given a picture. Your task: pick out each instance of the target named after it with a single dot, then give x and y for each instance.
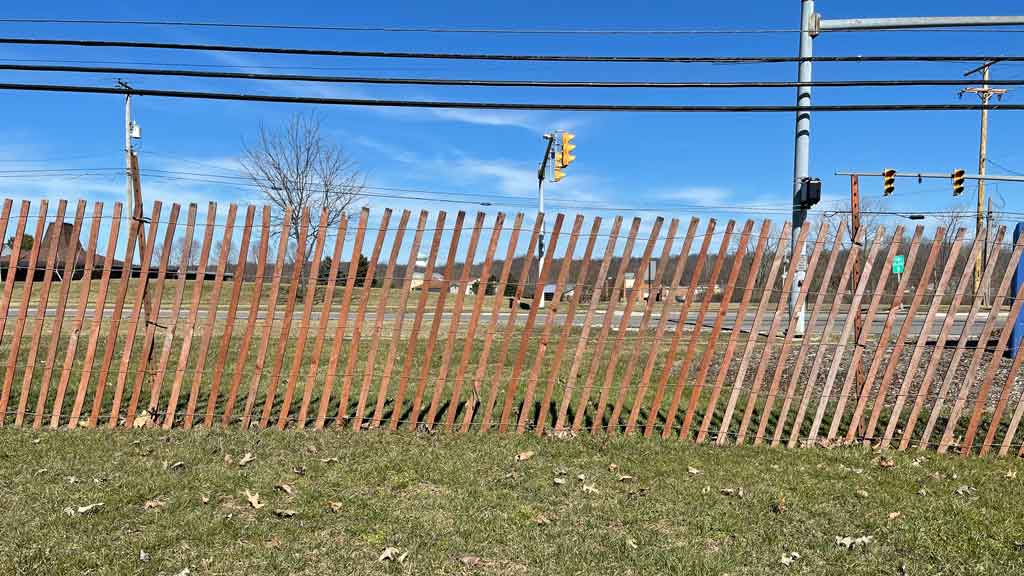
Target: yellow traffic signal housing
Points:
(889, 180)
(565, 157)
(958, 181)
(559, 174)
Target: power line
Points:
(234, 96)
(224, 66)
(503, 57)
(491, 83)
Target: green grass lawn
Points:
(465, 505)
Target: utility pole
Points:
(858, 321)
(801, 156)
(129, 132)
(985, 93)
(541, 174)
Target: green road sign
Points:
(897, 265)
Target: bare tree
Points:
(296, 166)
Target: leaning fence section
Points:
(546, 324)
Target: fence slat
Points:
(677, 333)
(526, 412)
(152, 315)
(737, 328)
(232, 316)
(62, 300)
(435, 324)
(723, 310)
(787, 283)
(773, 387)
(156, 387)
(581, 343)
(939, 350)
(417, 323)
(851, 317)
(351, 278)
(456, 318)
(492, 326)
(289, 315)
(19, 324)
(137, 311)
(919, 350)
(10, 278)
(79, 321)
(499, 364)
(378, 323)
(396, 335)
(886, 335)
(474, 318)
(253, 313)
(211, 316)
(312, 278)
(531, 317)
(645, 320)
(861, 344)
(755, 326)
(627, 317)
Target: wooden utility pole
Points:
(858, 321)
(985, 93)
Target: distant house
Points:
(567, 291)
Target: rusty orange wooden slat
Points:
(12, 265)
(41, 304)
(378, 318)
(781, 361)
(10, 277)
(677, 334)
(606, 323)
(339, 332)
(691, 347)
(812, 319)
(748, 349)
(737, 328)
(307, 312)
(474, 318)
(939, 350)
(524, 341)
(357, 326)
(787, 283)
(62, 300)
(645, 320)
(526, 412)
(211, 317)
(1011, 377)
(79, 321)
(156, 386)
(19, 325)
(844, 337)
(253, 314)
(153, 301)
(396, 331)
(861, 344)
(981, 399)
(581, 343)
(223, 349)
(97, 322)
(499, 364)
(627, 317)
(456, 314)
(886, 334)
(268, 320)
(723, 311)
(414, 332)
(137, 312)
(283, 340)
(435, 323)
(325, 318)
(193, 316)
(492, 326)
(919, 350)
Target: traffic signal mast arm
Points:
(946, 175)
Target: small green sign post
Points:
(897, 264)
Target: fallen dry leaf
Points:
(254, 499)
(541, 519)
(631, 543)
(392, 554)
(789, 559)
(922, 492)
(626, 478)
(470, 561)
(89, 509)
(559, 481)
(693, 471)
(228, 460)
(246, 459)
(779, 506)
(174, 466)
(524, 456)
(886, 463)
(613, 467)
(895, 515)
(286, 488)
(737, 492)
(705, 490)
(965, 490)
(153, 504)
(862, 493)
(299, 470)
(581, 477)
(142, 420)
(590, 489)
(335, 506)
(285, 513)
(1011, 474)
(331, 460)
(849, 542)
(144, 556)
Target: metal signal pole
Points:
(541, 174)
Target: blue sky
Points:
(684, 163)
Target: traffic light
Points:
(889, 181)
(958, 181)
(810, 192)
(565, 156)
(558, 174)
